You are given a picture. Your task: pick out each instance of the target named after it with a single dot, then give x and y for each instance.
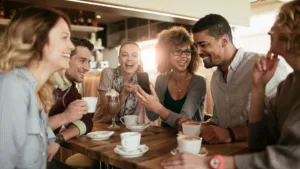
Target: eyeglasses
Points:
(179, 52)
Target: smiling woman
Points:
(179, 93)
(123, 79)
(35, 44)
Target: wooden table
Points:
(159, 140)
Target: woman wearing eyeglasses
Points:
(179, 94)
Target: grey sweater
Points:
(194, 100)
(278, 132)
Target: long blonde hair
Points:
(23, 41)
(288, 24)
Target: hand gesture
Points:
(76, 110)
(215, 135)
(151, 102)
(264, 69)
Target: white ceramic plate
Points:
(203, 151)
(132, 154)
(100, 135)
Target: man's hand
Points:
(215, 135)
(76, 110)
(52, 150)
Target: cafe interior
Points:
(109, 23)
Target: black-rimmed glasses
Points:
(179, 52)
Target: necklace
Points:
(180, 86)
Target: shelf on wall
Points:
(78, 28)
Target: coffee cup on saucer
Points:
(129, 120)
(191, 144)
(130, 141)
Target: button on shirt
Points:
(232, 99)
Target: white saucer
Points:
(203, 151)
(138, 127)
(132, 154)
(100, 135)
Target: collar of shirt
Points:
(237, 59)
(28, 75)
(61, 82)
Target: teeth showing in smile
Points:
(182, 63)
(66, 55)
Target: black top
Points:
(173, 105)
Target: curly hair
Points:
(288, 25)
(24, 39)
(168, 40)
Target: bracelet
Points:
(232, 136)
(60, 139)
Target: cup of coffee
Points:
(129, 120)
(191, 128)
(92, 102)
(191, 144)
(130, 141)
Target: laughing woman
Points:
(35, 44)
(122, 79)
(179, 93)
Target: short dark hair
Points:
(80, 41)
(216, 26)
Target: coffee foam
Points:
(192, 123)
(189, 138)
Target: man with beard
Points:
(231, 82)
(69, 110)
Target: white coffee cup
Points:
(191, 128)
(130, 140)
(92, 102)
(191, 144)
(129, 120)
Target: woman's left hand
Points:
(151, 102)
(186, 161)
(52, 150)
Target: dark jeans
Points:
(55, 164)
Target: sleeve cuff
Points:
(81, 126)
(50, 135)
(213, 120)
(172, 119)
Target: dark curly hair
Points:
(168, 40)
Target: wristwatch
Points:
(60, 139)
(216, 162)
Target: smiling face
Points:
(129, 58)
(180, 58)
(210, 49)
(79, 64)
(58, 49)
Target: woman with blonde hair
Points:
(35, 44)
(277, 131)
(123, 80)
(179, 94)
